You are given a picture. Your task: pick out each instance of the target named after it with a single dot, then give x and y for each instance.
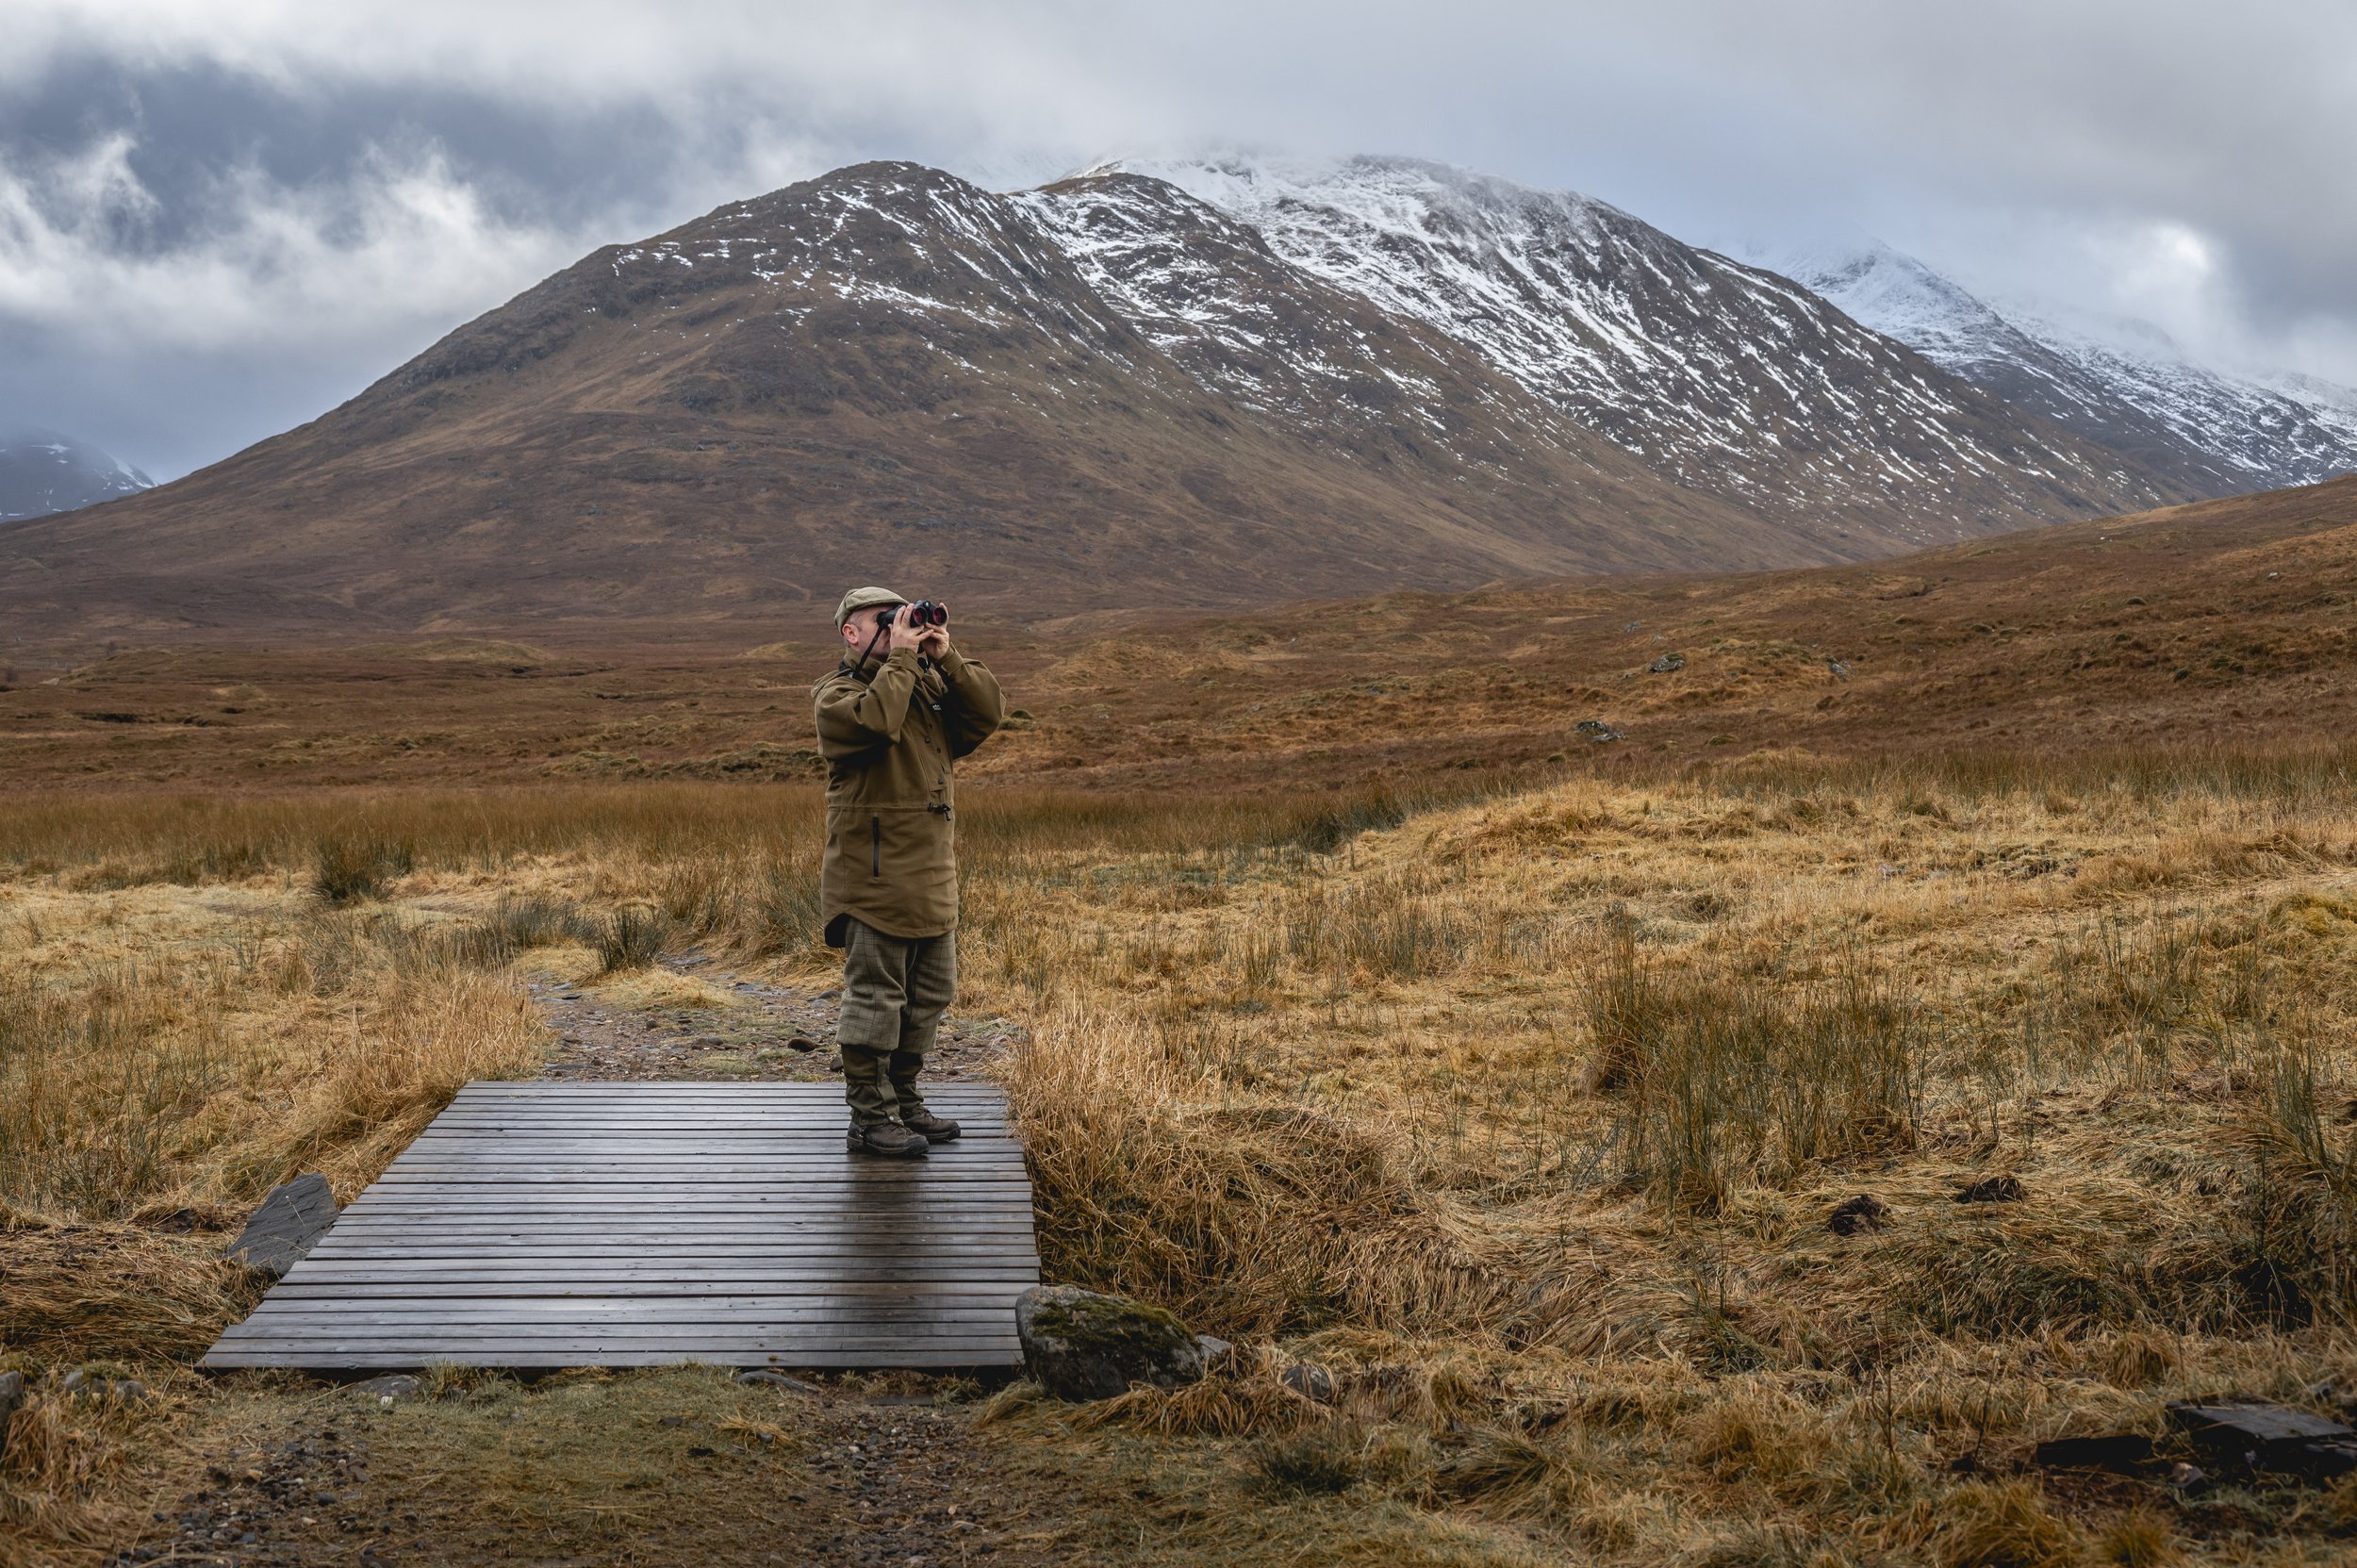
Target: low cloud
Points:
(402, 242)
(343, 183)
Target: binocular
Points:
(925, 613)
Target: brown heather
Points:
(1522, 1110)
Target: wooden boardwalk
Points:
(542, 1225)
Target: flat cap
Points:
(864, 599)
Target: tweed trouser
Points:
(894, 990)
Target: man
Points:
(892, 720)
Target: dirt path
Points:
(759, 1032)
(680, 1466)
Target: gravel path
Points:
(772, 1032)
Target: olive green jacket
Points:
(891, 734)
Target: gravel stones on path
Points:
(722, 1472)
(773, 1033)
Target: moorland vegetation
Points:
(1526, 1109)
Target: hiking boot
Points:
(932, 1128)
(886, 1139)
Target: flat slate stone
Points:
(289, 1222)
(517, 1232)
(2264, 1435)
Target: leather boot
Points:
(932, 1128)
(887, 1139)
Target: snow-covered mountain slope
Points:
(2130, 390)
(1248, 384)
(41, 472)
(1719, 377)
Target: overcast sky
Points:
(218, 221)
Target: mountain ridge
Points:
(1104, 393)
(2131, 390)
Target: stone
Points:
(1213, 1348)
(12, 1397)
(2120, 1452)
(390, 1389)
(776, 1379)
(1311, 1380)
(1080, 1345)
(1862, 1212)
(2260, 1434)
(1596, 729)
(289, 1222)
(82, 1385)
(1669, 664)
(1994, 1189)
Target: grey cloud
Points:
(442, 156)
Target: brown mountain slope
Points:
(1105, 392)
(2232, 622)
(885, 373)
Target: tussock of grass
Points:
(662, 988)
(95, 1293)
(348, 870)
(631, 938)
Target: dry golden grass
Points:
(1524, 1115)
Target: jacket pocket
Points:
(875, 846)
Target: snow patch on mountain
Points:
(1719, 376)
(43, 473)
(2123, 382)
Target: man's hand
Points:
(905, 632)
(934, 640)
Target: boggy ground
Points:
(2224, 621)
(660, 1467)
(1526, 1117)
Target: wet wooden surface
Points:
(545, 1225)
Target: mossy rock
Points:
(1079, 1345)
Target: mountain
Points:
(43, 473)
(1234, 386)
(2130, 390)
(1721, 377)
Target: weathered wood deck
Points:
(546, 1225)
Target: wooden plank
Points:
(647, 1315)
(696, 1243)
(682, 1154)
(361, 1364)
(589, 1342)
(533, 1356)
(796, 1267)
(827, 1247)
(647, 1220)
(592, 1088)
(848, 1290)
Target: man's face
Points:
(866, 626)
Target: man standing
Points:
(892, 720)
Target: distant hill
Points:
(2223, 626)
(43, 473)
(2131, 390)
(1239, 384)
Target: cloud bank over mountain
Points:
(216, 223)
